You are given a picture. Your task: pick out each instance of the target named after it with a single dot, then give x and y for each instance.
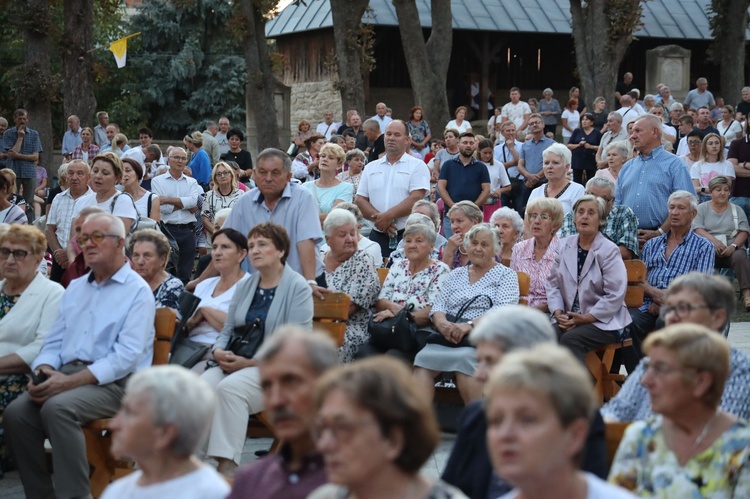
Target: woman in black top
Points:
(239, 156)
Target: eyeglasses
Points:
(694, 142)
(541, 216)
(95, 238)
(681, 309)
(18, 254)
(661, 370)
(342, 431)
(222, 174)
(178, 158)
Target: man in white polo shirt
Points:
(390, 186)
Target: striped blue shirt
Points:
(694, 253)
(646, 182)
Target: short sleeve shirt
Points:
(464, 183)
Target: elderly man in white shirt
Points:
(390, 186)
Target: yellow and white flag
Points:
(120, 49)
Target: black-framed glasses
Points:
(681, 309)
(95, 238)
(179, 158)
(18, 254)
(222, 174)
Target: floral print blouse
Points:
(420, 289)
(647, 467)
(523, 261)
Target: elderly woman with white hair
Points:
(616, 154)
(539, 407)
(550, 110)
(509, 225)
(467, 294)
(412, 281)
(505, 330)
(430, 210)
(164, 419)
(351, 271)
(363, 243)
(556, 163)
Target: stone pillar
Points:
(670, 65)
(310, 101)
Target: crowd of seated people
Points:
(284, 247)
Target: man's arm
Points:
(442, 187)
(307, 260)
(484, 195)
(740, 169)
(522, 168)
(525, 123)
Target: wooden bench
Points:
(613, 434)
(599, 361)
(105, 468)
(382, 274)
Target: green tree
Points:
(188, 66)
(728, 22)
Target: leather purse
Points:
(247, 339)
(395, 332)
(437, 338)
(185, 352)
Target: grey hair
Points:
(511, 215)
(469, 209)
(681, 194)
(715, 290)
(115, 224)
(675, 106)
(320, 348)
(717, 181)
(483, 228)
(512, 327)
(615, 116)
(621, 146)
(3, 121)
(178, 398)
(354, 153)
(701, 80)
(371, 124)
(602, 183)
(222, 213)
(353, 209)
(434, 212)
(82, 162)
(648, 97)
(664, 89)
(271, 152)
(600, 205)
(62, 172)
(547, 91)
(336, 218)
(421, 224)
(154, 149)
(558, 150)
(745, 89)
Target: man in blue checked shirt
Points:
(22, 147)
(667, 257)
(646, 181)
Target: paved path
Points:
(10, 486)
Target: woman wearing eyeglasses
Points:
(691, 448)
(223, 195)
(557, 159)
(29, 304)
(535, 256)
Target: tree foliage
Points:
(602, 32)
(728, 20)
(189, 67)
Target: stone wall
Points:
(311, 100)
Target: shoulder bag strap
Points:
(468, 303)
(148, 204)
(736, 221)
(727, 129)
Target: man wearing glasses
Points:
(178, 195)
(699, 299)
(104, 333)
(530, 159)
(622, 224)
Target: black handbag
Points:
(186, 352)
(395, 332)
(247, 339)
(437, 338)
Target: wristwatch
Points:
(661, 231)
(470, 323)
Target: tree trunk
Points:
(602, 32)
(76, 46)
(260, 78)
(728, 24)
(36, 59)
(347, 16)
(427, 62)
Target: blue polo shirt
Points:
(464, 183)
(531, 153)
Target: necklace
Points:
(703, 433)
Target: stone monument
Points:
(670, 65)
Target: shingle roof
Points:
(679, 19)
